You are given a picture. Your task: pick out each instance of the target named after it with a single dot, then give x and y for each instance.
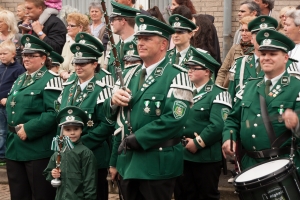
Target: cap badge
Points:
(263, 19)
(81, 36)
(77, 48)
(27, 45)
(70, 118)
(131, 46)
(130, 53)
(27, 39)
(142, 20)
(78, 54)
(267, 42)
(263, 26)
(82, 42)
(177, 18)
(70, 111)
(266, 34)
(177, 24)
(143, 27)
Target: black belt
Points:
(168, 143)
(268, 153)
(12, 129)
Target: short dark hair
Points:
(298, 7)
(252, 6)
(130, 21)
(133, 1)
(183, 11)
(270, 3)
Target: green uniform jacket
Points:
(111, 62)
(33, 106)
(171, 54)
(98, 130)
(211, 107)
(78, 173)
(159, 111)
(245, 120)
(250, 73)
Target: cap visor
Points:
(76, 60)
(31, 51)
(265, 48)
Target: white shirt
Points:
(274, 80)
(182, 54)
(200, 87)
(150, 69)
(84, 84)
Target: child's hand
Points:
(55, 173)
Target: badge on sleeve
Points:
(224, 113)
(179, 109)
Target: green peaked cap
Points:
(122, 10)
(86, 47)
(151, 26)
(56, 58)
(72, 115)
(273, 40)
(180, 22)
(262, 22)
(33, 44)
(130, 52)
(202, 58)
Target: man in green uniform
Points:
(122, 21)
(248, 67)
(203, 131)
(276, 95)
(87, 89)
(77, 162)
(31, 122)
(154, 109)
(181, 38)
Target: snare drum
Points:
(272, 180)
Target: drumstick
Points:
(231, 149)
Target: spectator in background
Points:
(76, 22)
(292, 30)
(247, 8)
(21, 14)
(154, 12)
(10, 31)
(97, 27)
(298, 7)
(244, 47)
(187, 3)
(283, 17)
(266, 8)
(52, 32)
(9, 72)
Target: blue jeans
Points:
(3, 131)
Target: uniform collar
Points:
(151, 68)
(275, 79)
(84, 84)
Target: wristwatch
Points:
(40, 33)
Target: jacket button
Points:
(31, 93)
(160, 148)
(258, 115)
(254, 147)
(253, 136)
(202, 109)
(255, 125)
(13, 112)
(153, 98)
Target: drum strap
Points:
(266, 120)
(268, 153)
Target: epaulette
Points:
(132, 65)
(53, 73)
(180, 68)
(293, 69)
(223, 88)
(232, 68)
(224, 98)
(54, 84)
(68, 83)
(293, 60)
(254, 78)
(239, 57)
(104, 94)
(107, 72)
(108, 80)
(182, 81)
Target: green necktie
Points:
(142, 77)
(195, 92)
(268, 84)
(258, 68)
(121, 51)
(78, 91)
(27, 80)
(177, 58)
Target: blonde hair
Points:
(8, 45)
(10, 20)
(80, 20)
(285, 9)
(247, 19)
(21, 5)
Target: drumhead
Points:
(261, 170)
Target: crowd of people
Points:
(144, 98)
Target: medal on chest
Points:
(90, 123)
(157, 110)
(280, 111)
(146, 109)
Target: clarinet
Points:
(114, 50)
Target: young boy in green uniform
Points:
(77, 168)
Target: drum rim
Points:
(280, 175)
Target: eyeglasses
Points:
(194, 69)
(30, 56)
(112, 19)
(244, 30)
(71, 25)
